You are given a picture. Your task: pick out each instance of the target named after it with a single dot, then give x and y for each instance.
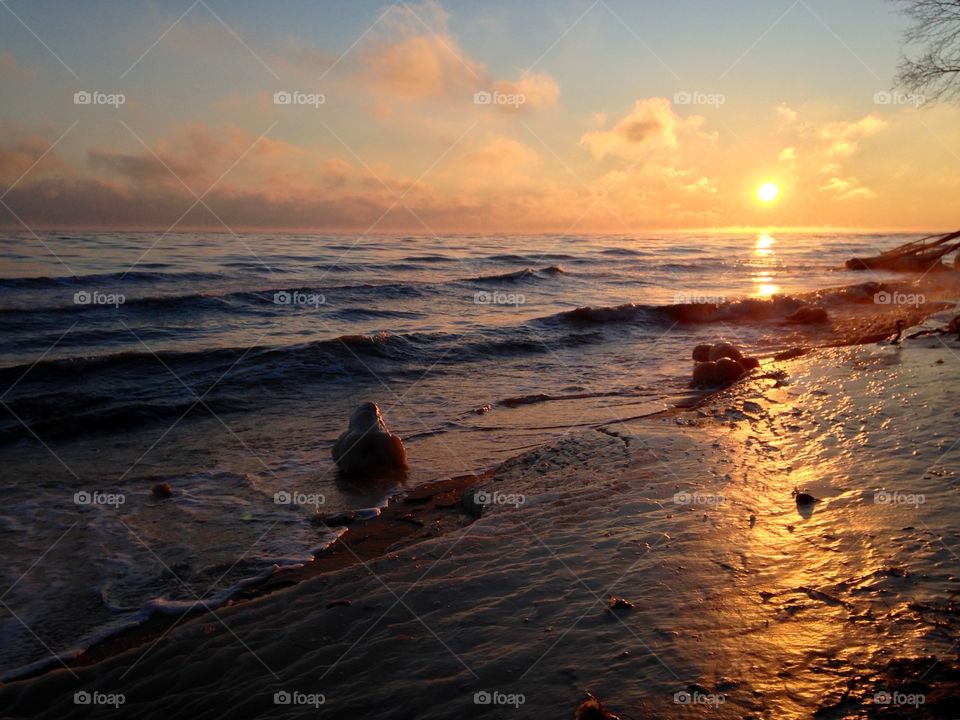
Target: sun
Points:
(767, 192)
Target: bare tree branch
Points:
(930, 65)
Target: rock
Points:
(728, 371)
(367, 447)
(725, 350)
(750, 363)
(701, 352)
(445, 500)
(162, 491)
(705, 374)
(619, 603)
(593, 709)
(468, 501)
(803, 498)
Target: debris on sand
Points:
(593, 709)
(917, 256)
(619, 603)
(162, 491)
(803, 498)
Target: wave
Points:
(514, 258)
(64, 415)
(251, 300)
(625, 252)
(123, 391)
(134, 617)
(108, 280)
(806, 308)
(525, 274)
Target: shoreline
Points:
(426, 511)
(731, 418)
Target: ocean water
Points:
(227, 365)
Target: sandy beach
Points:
(433, 359)
(743, 604)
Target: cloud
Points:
(10, 69)
(786, 117)
(834, 139)
(412, 56)
(651, 125)
(842, 138)
(538, 90)
(502, 152)
(846, 189)
(21, 151)
(419, 67)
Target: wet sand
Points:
(744, 604)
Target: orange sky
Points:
(596, 129)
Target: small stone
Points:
(162, 490)
(705, 374)
(445, 500)
(701, 352)
(725, 350)
(619, 603)
(728, 371)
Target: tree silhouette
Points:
(933, 68)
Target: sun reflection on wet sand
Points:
(826, 593)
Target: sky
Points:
(420, 116)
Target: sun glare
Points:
(767, 192)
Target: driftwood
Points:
(917, 256)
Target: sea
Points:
(226, 365)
